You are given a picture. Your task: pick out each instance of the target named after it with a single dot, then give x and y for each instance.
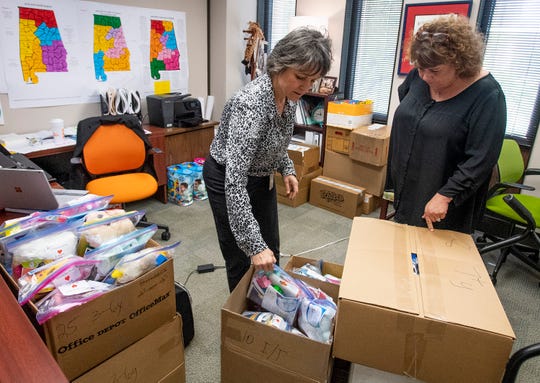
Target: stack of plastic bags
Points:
(290, 304)
(66, 257)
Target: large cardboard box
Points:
(158, 357)
(337, 196)
(305, 157)
(349, 113)
(327, 268)
(438, 319)
(83, 337)
(304, 183)
(254, 352)
(338, 139)
(343, 168)
(369, 144)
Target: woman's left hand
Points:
(436, 209)
(291, 186)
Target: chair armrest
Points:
(521, 210)
(517, 359)
(500, 187)
(531, 172)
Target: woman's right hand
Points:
(264, 260)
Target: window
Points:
(274, 16)
(373, 43)
(513, 55)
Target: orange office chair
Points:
(114, 152)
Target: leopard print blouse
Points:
(251, 140)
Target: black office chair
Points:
(517, 359)
(511, 220)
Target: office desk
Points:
(174, 145)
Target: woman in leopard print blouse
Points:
(251, 144)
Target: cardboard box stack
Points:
(255, 352)
(356, 153)
(104, 334)
(421, 304)
(306, 164)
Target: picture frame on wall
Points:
(416, 15)
(327, 85)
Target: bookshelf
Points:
(311, 114)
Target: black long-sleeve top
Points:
(447, 147)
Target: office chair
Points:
(116, 156)
(511, 219)
(517, 359)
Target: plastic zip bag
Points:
(68, 296)
(84, 205)
(95, 234)
(64, 270)
(134, 265)
(43, 247)
(110, 253)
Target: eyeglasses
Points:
(436, 37)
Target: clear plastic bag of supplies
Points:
(110, 253)
(68, 296)
(134, 265)
(104, 226)
(45, 278)
(42, 247)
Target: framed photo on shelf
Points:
(327, 85)
(418, 14)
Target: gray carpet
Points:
(302, 229)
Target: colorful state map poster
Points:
(41, 47)
(111, 52)
(164, 53)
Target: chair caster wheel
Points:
(166, 235)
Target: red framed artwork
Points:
(418, 14)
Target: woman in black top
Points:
(447, 131)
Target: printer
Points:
(174, 109)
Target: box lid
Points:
(452, 284)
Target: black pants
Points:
(264, 209)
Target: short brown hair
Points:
(448, 40)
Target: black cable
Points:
(196, 271)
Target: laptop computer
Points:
(18, 160)
(28, 190)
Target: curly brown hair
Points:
(448, 40)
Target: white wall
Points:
(24, 120)
(228, 19)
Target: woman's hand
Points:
(436, 209)
(291, 186)
(264, 260)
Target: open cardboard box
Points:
(438, 321)
(328, 268)
(255, 352)
(84, 336)
(158, 357)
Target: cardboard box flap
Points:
(455, 282)
(452, 281)
(370, 255)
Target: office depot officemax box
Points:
(437, 319)
(84, 336)
(255, 352)
(158, 357)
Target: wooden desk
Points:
(24, 357)
(185, 144)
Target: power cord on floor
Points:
(316, 248)
(201, 269)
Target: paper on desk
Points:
(32, 142)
